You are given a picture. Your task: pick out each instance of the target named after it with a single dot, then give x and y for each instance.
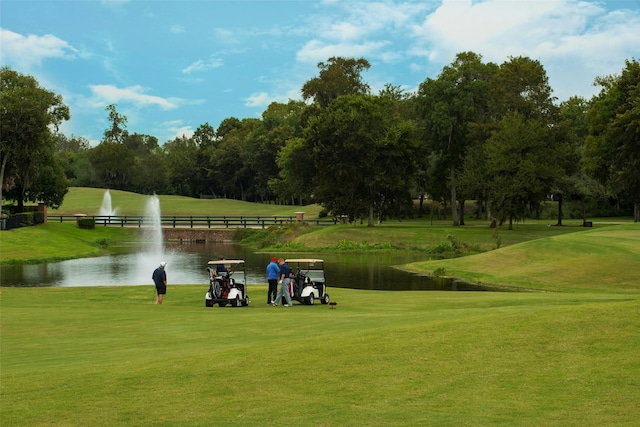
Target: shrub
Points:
(38, 217)
(87, 223)
(439, 272)
(26, 218)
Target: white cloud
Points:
(180, 132)
(574, 40)
(109, 94)
(33, 49)
(316, 50)
(259, 99)
(202, 65)
(177, 29)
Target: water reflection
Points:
(187, 264)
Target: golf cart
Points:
(224, 289)
(308, 281)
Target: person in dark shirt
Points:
(160, 280)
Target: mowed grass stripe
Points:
(105, 356)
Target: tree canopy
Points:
(479, 132)
(26, 113)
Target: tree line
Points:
(479, 131)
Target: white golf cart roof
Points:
(226, 261)
(309, 260)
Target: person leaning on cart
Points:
(273, 272)
(285, 273)
(160, 279)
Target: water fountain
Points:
(154, 241)
(106, 209)
(153, 248)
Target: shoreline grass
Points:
(596, 260)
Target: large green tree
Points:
(113, 164)
(26, 113)
(280, 123)
(571, 132)
(521, 160)
(117, 131)
(525, 155)
(362, 150)
(69, 152)
(338, 76)
(613, 145)
(229, 164)
(449, 105)
(182, 166)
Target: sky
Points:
(171, 66)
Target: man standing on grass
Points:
(285, 272)
(273, 272)
(160, 280)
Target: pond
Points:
(187, 262)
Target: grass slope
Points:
(108, 356)
(419, 234)
(89, 200)
(54, 241)
(598, 260)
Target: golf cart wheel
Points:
(235, 302)
(208, 303)
(245, 302)
(325, 299)
(310, 300)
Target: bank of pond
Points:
(187, 263)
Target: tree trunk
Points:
(454, 205)
(636, 212)
(560, 214)
(2, 168)
(462, 212)
(421, 205)
(510, 222)
(370, 221)
(431, 212)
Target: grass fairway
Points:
(107, 356)
(88, 201)
(55, 242)
(598, 260)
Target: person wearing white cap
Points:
(160, 279)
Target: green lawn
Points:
(598, 260)
(88, 201)
(55, 241)
(107, 356)
(565, 354)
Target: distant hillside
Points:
(88, 201)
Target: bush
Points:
(38, 217)
(26, 218)
(87, 223)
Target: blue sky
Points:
(171, 66)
